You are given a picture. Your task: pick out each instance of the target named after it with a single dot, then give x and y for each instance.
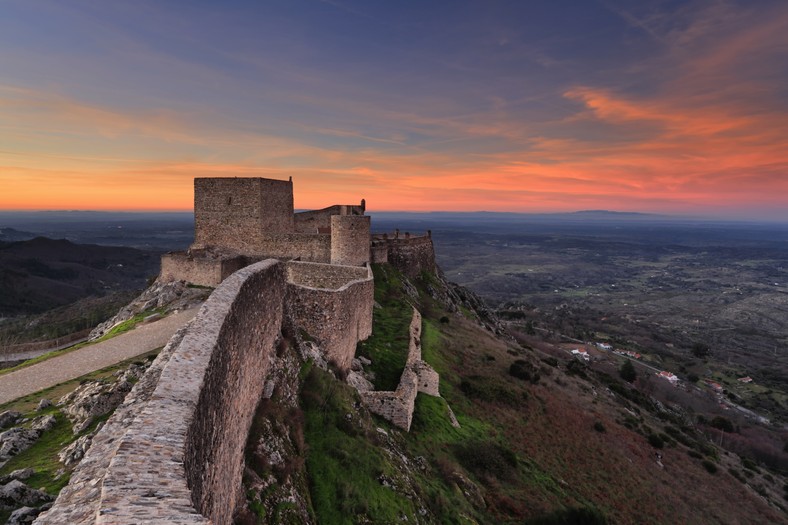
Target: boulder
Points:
(23, 516)
(44, 404)
(15, 440)
(43, 423)
(15, 494)
(9, 418)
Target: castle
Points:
(238, 221)
(173, 452)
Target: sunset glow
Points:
(667, 107)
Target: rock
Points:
(15, 440)
(364, 361)
(21, 474)
(359, 382)
(96, 398)
(43, 404)
(44, 423)
(15, 494)
(9, 418)
(73, 453)
(23, 516)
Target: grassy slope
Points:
(554, 450)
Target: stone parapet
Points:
(173, 452)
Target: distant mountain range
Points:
(40, 273)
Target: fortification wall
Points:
(199, 269)
(336, 318)
(319, 221)
(350, 239)
(178, 457)
(409, 254)
(327, 276)
(397, 406)
(235, 213)
(307, 247)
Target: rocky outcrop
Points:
(93, 399)
(169, 296)
(17, 439)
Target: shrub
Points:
(487, 458)
(521, 369)
(599, 427)
(710, 467)
(571, 516)
(655, 441)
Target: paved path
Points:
(30, 354)
(51, 372)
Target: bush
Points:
(599, 427)
(655, 441)
(521, 369)
(571, 516)
(487, 458)
(710, 467)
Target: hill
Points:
(40, 274)
(542, 437)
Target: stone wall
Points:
(337, 319)
(350, 240)
(397, 406)
(328, 276)
(234, 213)
(307, 247)
(409, 254)
(198, 268)
(319, 221)
(178, 456)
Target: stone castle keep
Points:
(174, 450)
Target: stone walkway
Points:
(51, 372)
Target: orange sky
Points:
(682, 110)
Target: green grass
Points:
(344, 462)
(387, 347)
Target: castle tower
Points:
(236, 212)
(350, 239)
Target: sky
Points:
(675, 107)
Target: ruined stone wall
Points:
(235, 213)
(199, 269)
(350, 239)
(178, 457)
(407, 253)
(337, 319)
(397, 406)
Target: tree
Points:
(627, 372)
(700, 350)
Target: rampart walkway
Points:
(51, 372)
